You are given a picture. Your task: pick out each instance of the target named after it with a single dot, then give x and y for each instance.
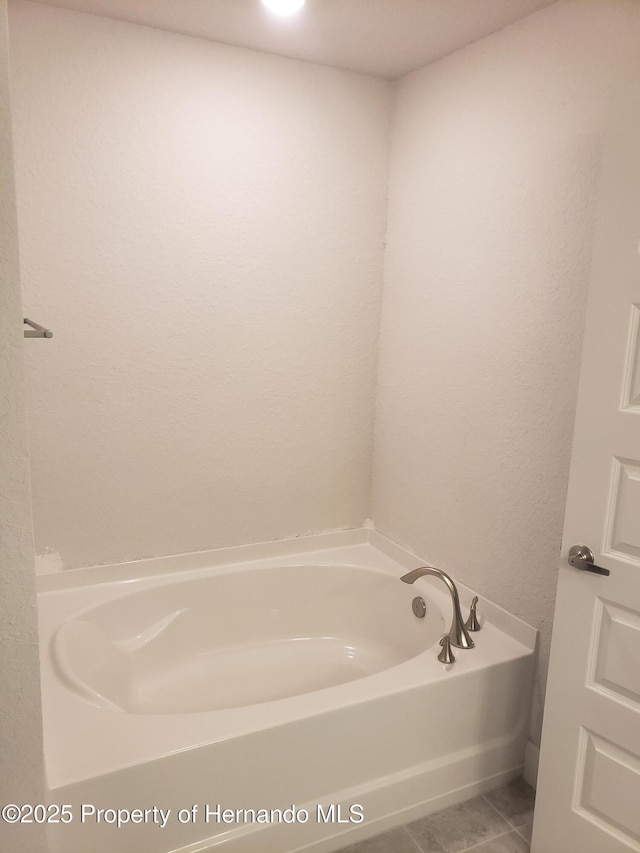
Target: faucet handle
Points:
(446, 655)
(472, 623)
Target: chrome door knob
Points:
(581, 557)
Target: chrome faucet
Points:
(458, 634)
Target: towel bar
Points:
(38, 330)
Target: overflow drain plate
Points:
(419, 607)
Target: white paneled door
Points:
(588, 798)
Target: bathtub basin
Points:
(240, 638)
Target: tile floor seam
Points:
(480, 843)
(511, 823)
(411, 838)
(521, 834)
(502, 830)
(497, 811)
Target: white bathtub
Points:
(290, 684)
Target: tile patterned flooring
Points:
(497, 822)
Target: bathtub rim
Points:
(356, 543)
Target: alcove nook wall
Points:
(492, 189)
(203, 227)
(21, 748)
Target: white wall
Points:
(202, 227)
(494, 167)
(21, 754)
(175, 193)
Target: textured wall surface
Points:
(494, 168)
(202, 227)
(21, 755)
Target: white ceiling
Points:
(387, 38)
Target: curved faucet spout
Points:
(458, 634)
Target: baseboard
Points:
(531, 761)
